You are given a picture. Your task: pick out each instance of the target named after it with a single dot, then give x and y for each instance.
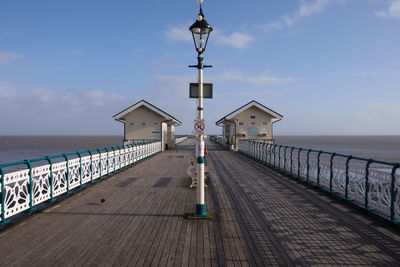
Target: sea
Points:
(378, 147)
(18, 148)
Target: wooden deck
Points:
(263, 219)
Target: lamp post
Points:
(200, 31)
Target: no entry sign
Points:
(199, 127)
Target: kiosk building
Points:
(251, 121)
(144, 121)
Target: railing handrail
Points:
(373, 185)
(330, 153)
(43, 183)
(22, 162)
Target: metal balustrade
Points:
(24, 189)
(371, 184)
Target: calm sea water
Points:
(378, 147)
(17, 148)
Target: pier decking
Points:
(262, 219)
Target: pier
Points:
(262, 218)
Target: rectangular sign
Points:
(207, 90)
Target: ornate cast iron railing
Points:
(24, 189)
(371, 184)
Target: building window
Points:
(265, 123)
(253, 124)
(240, 123)
(155, 132)
(155, 124)
(143, 124)
(132, 124)
(253, 131)
(252, 117)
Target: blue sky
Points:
(329, 66)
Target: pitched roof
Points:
(146, 104)
(276, 115)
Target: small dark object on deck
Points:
(102, 200)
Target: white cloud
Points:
(179, 33)
(35, 110)
(237, 40)
(263, 79)
(7, 57)
(16, 97)
(75, 52)
(393, 11)
(367, 73)
(306, 9)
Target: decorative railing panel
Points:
(371, 184)
(23, 190)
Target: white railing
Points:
(371, 184)
(23, 190)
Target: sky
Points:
(330, 67)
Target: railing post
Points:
(284, 159)
(367, 185)
(51, 178)
(67, 172)
(265, 155)
(308, 164)
(120, 161)
(318, 167)
(291, 161)
(346, 192)
(28, 163)
(99, 150)
(115, 167)
(331, 173)
(130, 149)
(270, 154)
(135, 156)
(108, 162)
(91, 166)
(279, 157)
(393, 192)
(80, 168)
(3, 194)
(298, 164)
(274, 156)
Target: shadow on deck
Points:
(263, 219)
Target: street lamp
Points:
(200, 31)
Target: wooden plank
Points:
(262, 218)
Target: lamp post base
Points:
(193, 216)
(200, 210)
